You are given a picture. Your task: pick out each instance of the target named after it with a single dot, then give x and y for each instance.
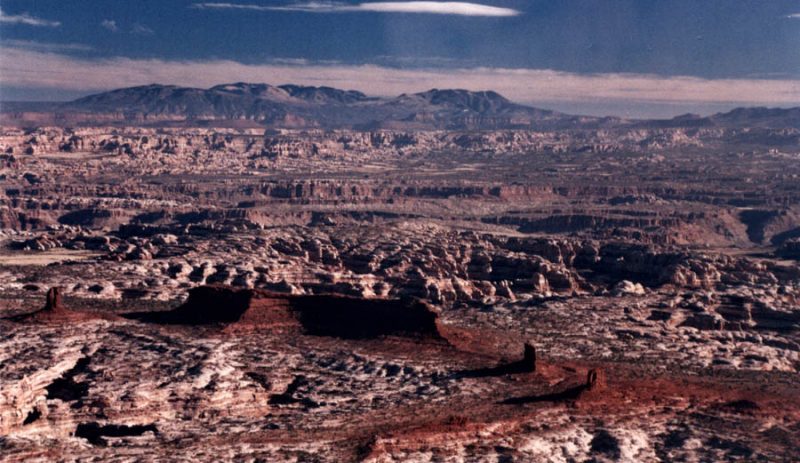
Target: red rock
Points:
(322, 314)
(595, 380)
(53, 302)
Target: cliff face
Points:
(319, 315)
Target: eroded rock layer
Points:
(627, 293)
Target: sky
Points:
(631, 58)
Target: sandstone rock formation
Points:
(400, 294)
(320, 315)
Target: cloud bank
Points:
(450, 8)
(26, 19)
(38, 69)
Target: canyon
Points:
(495, 283)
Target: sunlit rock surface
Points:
(625, 294)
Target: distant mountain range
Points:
(295, 106)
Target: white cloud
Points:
(110, 24)
(793, 16)
(27, 19)
(450, 8)
(25, 68)
(45, 46)
(136, 29)
(458, 8)
(141, 29)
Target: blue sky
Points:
(626, 57)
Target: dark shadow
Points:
(288, 396)
(779, 238)
(525, 365)
(65, 387)
(572, 393)
(595, 379)
(94, 432)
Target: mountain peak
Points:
(323, 95)
(476, 101)
(759, 116)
